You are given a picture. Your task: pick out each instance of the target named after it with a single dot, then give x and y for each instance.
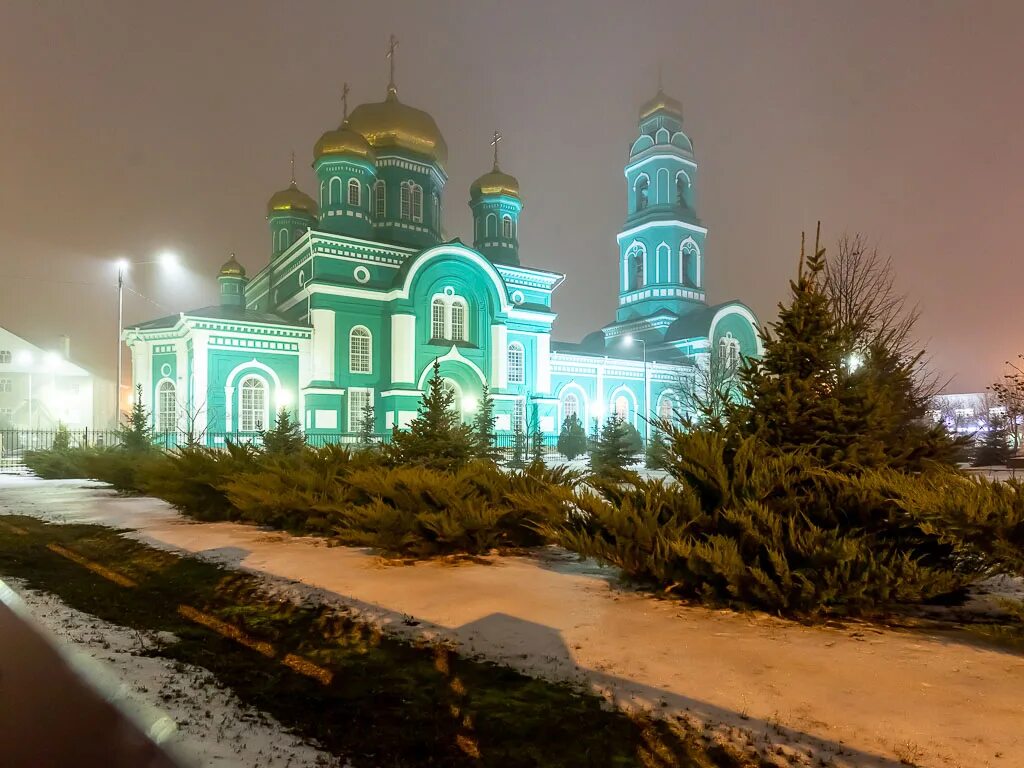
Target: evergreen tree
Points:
(656, 455)
(518, 444)
(536, 440)
(286, 436)
(437, 437)
(61, 438)
(483, 427)
(136, 434)
(994, 449)
(572, 440)
(615, 448)
(365, 433)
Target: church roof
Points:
(495, 182)
(292, 199)
(390, 123)
(218, 312)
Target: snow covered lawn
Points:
(853, 694)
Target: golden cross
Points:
(494, 143)
(392, 44)
(344, 101)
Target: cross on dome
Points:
(344, 102)
(494, 143)
(293, 169)
(392, 45)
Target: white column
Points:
(601, 405)
(543, 382)
(200, 368)
(403, 349)
(322, 321)
(499, 356)
(305, 374)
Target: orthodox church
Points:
(361, 294)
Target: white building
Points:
(41, 387)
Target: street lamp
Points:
(628, 340)
(167, 260)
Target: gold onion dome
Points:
(343, 141)
(292, 199)
(390, 123)
(495, 183)
(661, 103)
(232, 268)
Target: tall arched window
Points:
(689, 266)
(284, 239)
(354, 193)
(491, 225)
(458, 320)
(438, 310)
(359, 349)
(682, 190)
(666, 408)
(417, 202)
(332, 195)
(406, 199)
(621, 409)
(663, 263)
(252, 400)
(635, 272)
(570, 406)
(166, 407)
(516, 363)
(642, 184)
(380, 199)
(729, 352)
(663, 187)
(506, 227)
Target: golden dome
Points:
(343, 141)
(495, 183)
(232, 268)
(292, 199)
(390, 123)
(659, 103)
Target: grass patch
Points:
(363, 695)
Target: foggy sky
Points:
(130, 127)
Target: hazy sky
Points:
(130, 127)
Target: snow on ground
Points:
(854, 694)
(213, 728)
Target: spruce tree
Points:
(536, 440)
(656, 454)
(572, 440)
(483, 427)
(437, 437)
(615, 448)
(136, 434)
(365, 433)
(61, 438)
(994, 447)
(286, 436)
(518, 445)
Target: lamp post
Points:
(628, 340)
(166, 260)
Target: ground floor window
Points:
(571, 407)
(166, 408)
(621, 407)
(358, 401)
(519, 414)
(253, 405)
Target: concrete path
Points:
(853, 695)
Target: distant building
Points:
(362, 292)
(967, 412)
(40, 388)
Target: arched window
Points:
(570, 406)
(359, 400)
(406, 207)
(663, 263)
(437, 312)
(621, 409)
(506, 227)
(689, 263)
(458, 320)
(491, 226)
(635, 267)
(417, 202)
(252, 399)
(663, 188)
(333, 197)
(642, 183)
(354, 193)
(729, 352)
(166, 407)
(359, 347)
(666, 408)
(516, 363)
(380, 199)
(682, 190)
(284, 239)
(323, 200)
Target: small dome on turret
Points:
(662, 103)
(343, 141)
(496, 182)
(292, 199)
(232, 268)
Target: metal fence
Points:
(14, 443)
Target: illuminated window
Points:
(406, 207)
(729, 351)
(516, 363)
(359, 343)
(666, 408)
(519, 413)
(358, 402)
(438, 310)
(380, 199)
(621, 409)
(570, 406)
(353, 192)
(458, 320)
(506, 227)
(253, 401)
(166, 408)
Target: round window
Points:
(165, 369)
(518, 297)
(361, 274)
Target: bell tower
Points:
(496, 204)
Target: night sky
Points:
(127, 128)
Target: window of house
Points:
(406, 198)
(635, 257)
(380, 200)
(570, 406)
(458, 321)
(438, 310)
(358, 400)
(729, 351)
(166, 408)
(642, 184)
(516, 363)
(353, 192)
(519, 413)
(417, 202)
(253, 401)
(6, 418)
(506, 227)
(6, 385)
(359, 343)
(5, 356)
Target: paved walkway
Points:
(856, 694)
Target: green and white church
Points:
(362, 293)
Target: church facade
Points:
(361, 294)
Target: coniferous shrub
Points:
(572, 440)
(436, 438)
(57, 464)
(616, 448)
(286, 436)
(61, 438)
(136, 434)
(994, 447)
(483, 428)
